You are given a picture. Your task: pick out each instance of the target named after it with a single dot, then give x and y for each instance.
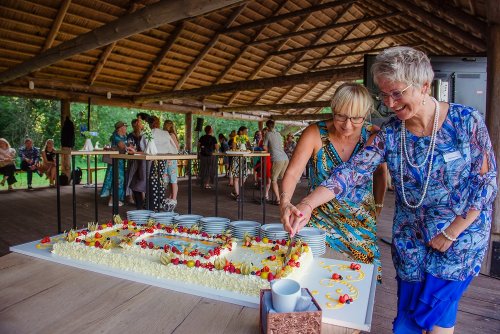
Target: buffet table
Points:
(146, 157)
(242, 156)
(44, 297)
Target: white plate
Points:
(311, 232)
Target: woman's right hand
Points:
(294, 218)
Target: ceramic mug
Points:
(285, 293)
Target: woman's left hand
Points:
(440, 243)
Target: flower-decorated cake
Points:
(187, 255)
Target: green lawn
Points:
(42, 181)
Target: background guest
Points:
(207, 145)
(289, 145)
(230, 143)
(223, 148)
(48, 165)
(136, 169)
(30, 157)
(273, 143)
(170, 172)
(7, 163)
(235, 164)
(118, 142)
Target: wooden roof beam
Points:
(355, 53)
(61, 13)
(427, 18)
(471, 22)
(268, 58)
(288, 80)
(207, 48)
(353, 40)
(285, 16)
(299, 56)
(150, 17)
(267, 107)
(103, 58)
(245, 48)
(304, 117)
(172, 38)
(325, 28)
(426, 33)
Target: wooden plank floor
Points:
(27, 216)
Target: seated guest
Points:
(7, 163)
(30, 157)
(49, 165)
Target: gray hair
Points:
(403, 64)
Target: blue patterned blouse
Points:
(455, 187)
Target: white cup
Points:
(285, 293)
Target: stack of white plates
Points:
(241, 227)
(139, 216)
(164, 217)
(273, 232)
(214, 225)
(187, 220)
(315, 238)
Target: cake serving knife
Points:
(288, 251)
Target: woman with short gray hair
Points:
(444, 172)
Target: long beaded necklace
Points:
(430, 153)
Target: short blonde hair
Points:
(352, 99)
(403, 64)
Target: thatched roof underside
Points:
(248, 57)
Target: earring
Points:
(423, 101)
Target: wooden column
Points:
(493, 111)
(261, 125)
(65, 159)
(188, 135)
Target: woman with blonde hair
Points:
(7, 163)
(444, 173)
(350, 224)
(49, 164)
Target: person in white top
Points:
(165, 145)
(7, 163)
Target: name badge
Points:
(451, 156)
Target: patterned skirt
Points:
(350, 231)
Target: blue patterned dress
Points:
(455, 187)
(350, 223)
(107, 185)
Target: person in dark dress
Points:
(207, 145)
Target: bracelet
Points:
(379, 205)
(443, 232)
(307, 203)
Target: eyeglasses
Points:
(395, 94)
(344, 118)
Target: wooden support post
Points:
(493, 111)
(188, 135)
(65, 158)
(261, 125)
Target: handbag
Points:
(107, 159)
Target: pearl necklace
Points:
(430, 153)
